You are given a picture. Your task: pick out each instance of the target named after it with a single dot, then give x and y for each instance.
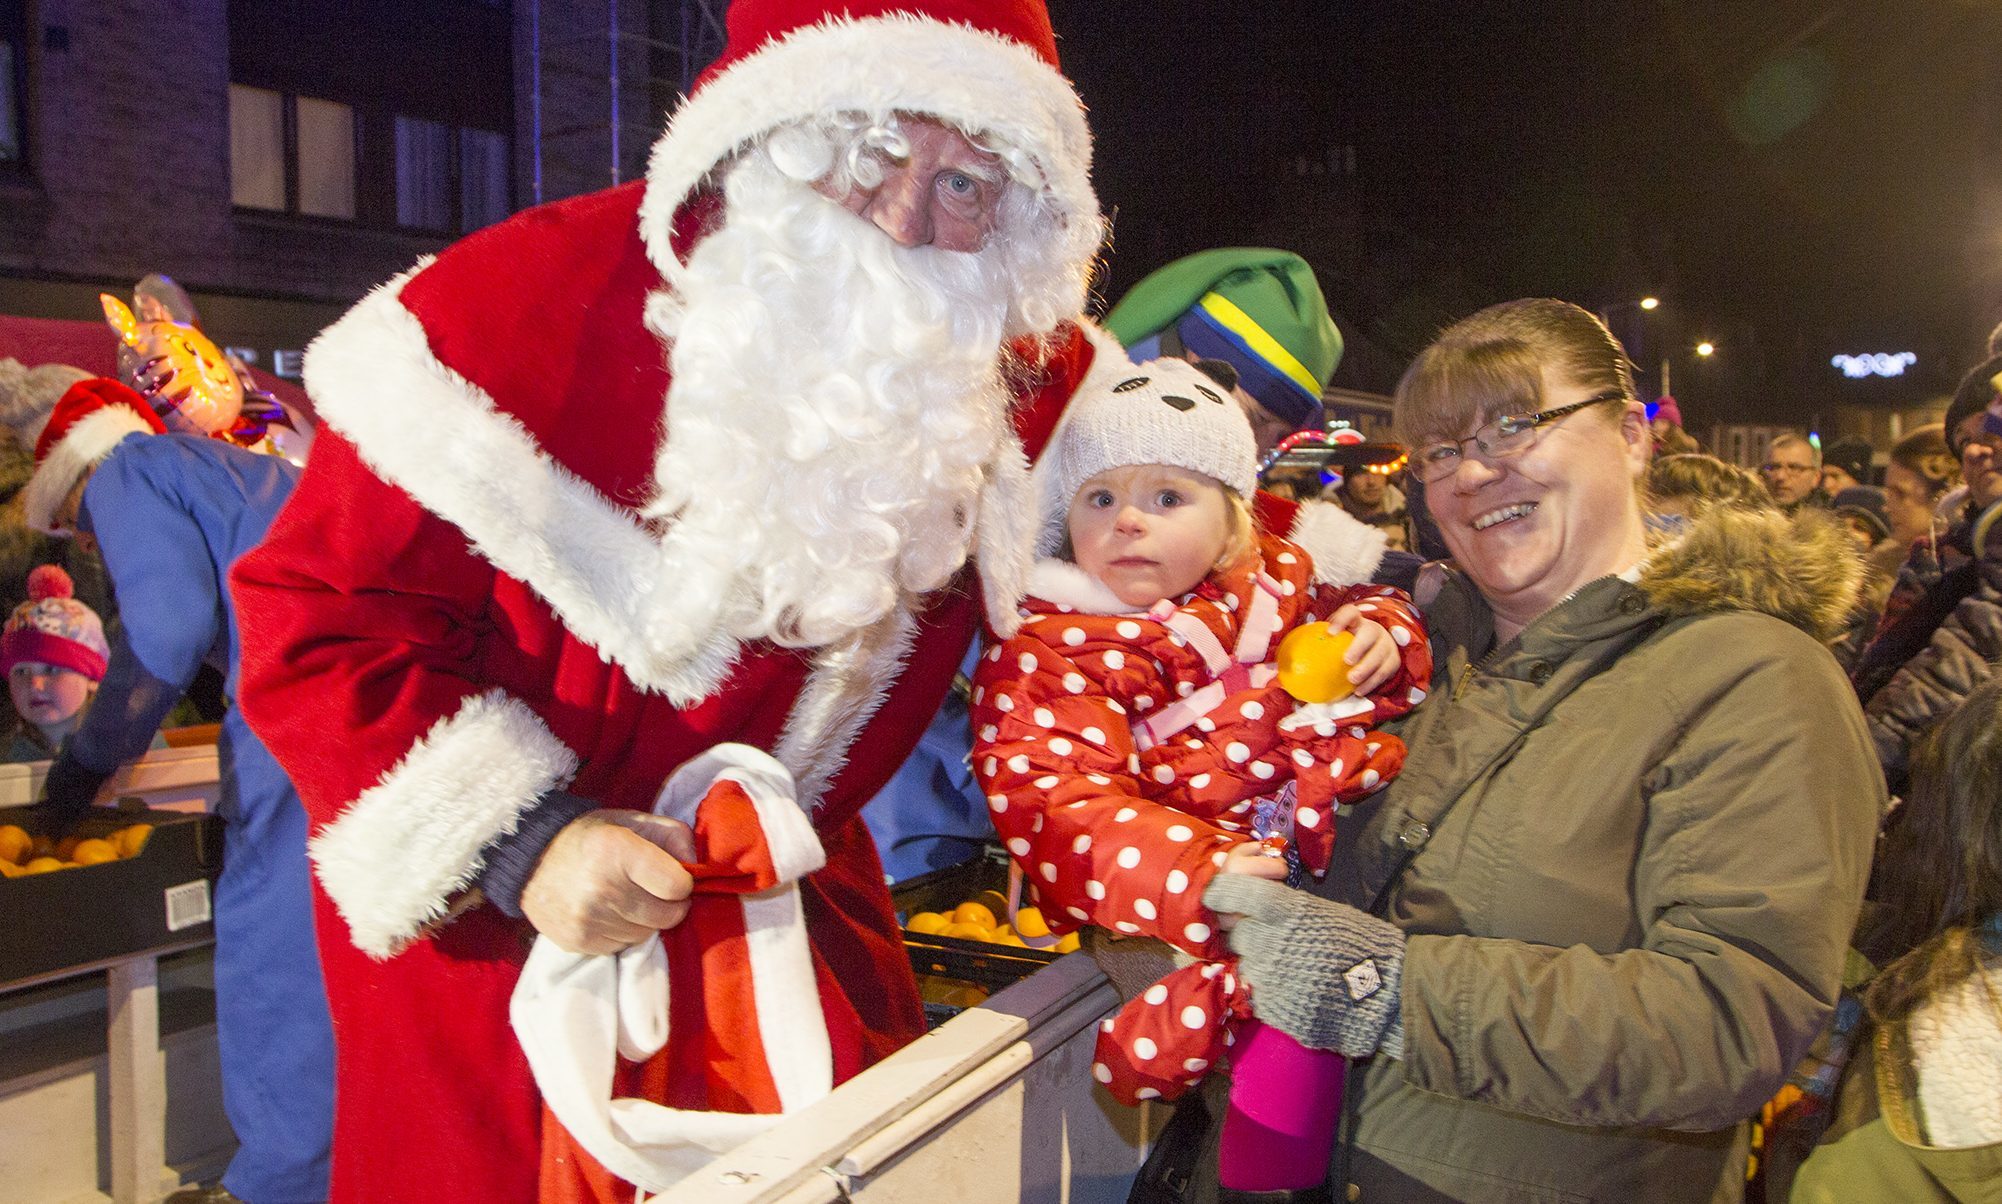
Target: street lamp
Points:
(1704, 350)
(1650, 302)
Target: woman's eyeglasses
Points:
(1509, 435)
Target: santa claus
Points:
(696, 460)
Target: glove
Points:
(1324, 973)
(68, 792)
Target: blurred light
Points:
(1879, 364)
(1706, 348)
(1650, 302)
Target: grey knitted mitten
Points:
(1324, 973)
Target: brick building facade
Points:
(123, 114)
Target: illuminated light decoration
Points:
(1880, 363)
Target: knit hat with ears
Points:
(93, 417)
(1166, 412)
(54, 628)
(987, 67)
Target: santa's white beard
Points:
(836, 403)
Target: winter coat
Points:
(1919, 1117)
(1641, 831)
(1959, 655)
(1120, 807)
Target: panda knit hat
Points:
(1165, 412)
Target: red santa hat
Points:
(985, 66)
(92, 417)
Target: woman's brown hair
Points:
(1702, 481)
(1940, 875)
(1493, 363)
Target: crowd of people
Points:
(1524, 814)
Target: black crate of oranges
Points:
(122, 882)
(963, 943)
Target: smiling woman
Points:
(1636, 926)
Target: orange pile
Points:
(22, 854)
(977, 920)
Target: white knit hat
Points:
(1166, 412)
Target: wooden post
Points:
(138, 1082)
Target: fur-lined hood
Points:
(1800, 568)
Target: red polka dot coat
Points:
(1124, 753)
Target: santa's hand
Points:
(1374, 654)
(610, 879)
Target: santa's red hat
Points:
(985, 66)
(92, 417)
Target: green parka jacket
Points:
(1641, 833)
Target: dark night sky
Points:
(1794, 177)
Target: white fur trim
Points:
(77, 452)
(1006, 534)
(427, 430)
(400, 851)
(1957, 1051)
(849, 682)
(572, 1011)
(877, 65)
(1066, 584)
(1345, 549)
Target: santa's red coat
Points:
(447, 622)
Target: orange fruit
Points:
(1311, 668)
(928, 922)
(43, 865)
(1030, 923)
(1069, 943)
(14, 842)
(94, 852)
(974, 913)
(993, 900)
(9, 870)
(131, 838)
(66, 847)
(971, 932)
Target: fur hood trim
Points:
(1064, 584)
(1345, 549)
(1799, 568)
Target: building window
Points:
(423, 173)
(450, 179)
(291, 154)
(13, 86)
(483, 178)
(326, 141)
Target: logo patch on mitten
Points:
(1363, 980)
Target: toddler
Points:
(1133, 739)
(55, 653)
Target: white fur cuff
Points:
(396, 856)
